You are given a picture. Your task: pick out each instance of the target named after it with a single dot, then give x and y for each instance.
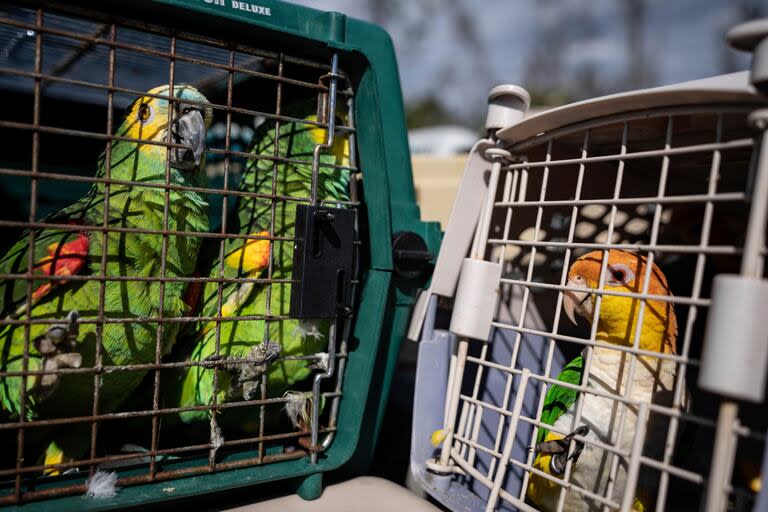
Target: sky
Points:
(456, 50)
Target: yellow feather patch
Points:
(317, 133)
(253, 256)
(438, 436)
(618, 321)
(340, 141)
(53, 455)
(538, 486)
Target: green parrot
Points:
(653, 382)
(68, 342)
(249, 258)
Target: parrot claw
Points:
(57, 347)
(321, 363)
(260, 356)
(248, 370)
(559, 449)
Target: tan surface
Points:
(437, 179)
(366, 493)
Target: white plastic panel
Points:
(461, 224)
(736, 343)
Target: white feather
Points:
(217, 440)
(322, 360)
(296, 406)
(308, 329)
(102, 484)
(653, 381)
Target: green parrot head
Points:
(147, 119)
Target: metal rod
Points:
(597, 291)
(14, 125)
(668, 248)
(616, 201)
(665, 111)
(751, 265)
(487, 212)
(680, 387)
(159, 342)
(316, 381)
(635, 458)
(587, 352)
(141, 184)
(501, 471)
(682, 150)
(153, 366)
(142, 414)
(331, 121)
(104, 249)
(453, 405)
(20, 441)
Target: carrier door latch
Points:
(323, 259)
(410, 255)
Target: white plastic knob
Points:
(476, 298)
(507, 105)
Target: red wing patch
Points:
(63, 260)
(192, 294)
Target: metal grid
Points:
(96, 62)
(672, 184)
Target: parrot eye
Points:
(620, 274)
(144, 112)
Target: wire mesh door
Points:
(618, 224)
(146, 321)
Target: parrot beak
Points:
(188, 130)
(577, 301)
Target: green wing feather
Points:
(127, 254)
(559, 399)
(290, 177)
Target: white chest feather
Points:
(613, 423)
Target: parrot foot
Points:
(260, 356)
(57, 347)
(321, 363)
(559, 448)
(248, 370)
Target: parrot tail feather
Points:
(102, 484)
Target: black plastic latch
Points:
(323, 258)
(410, 255)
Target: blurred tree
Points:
(466, 69)
(742, 10)
(550, 76)
(429, 111)
(638, 73)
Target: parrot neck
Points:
(292, 177)
(618, 323)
